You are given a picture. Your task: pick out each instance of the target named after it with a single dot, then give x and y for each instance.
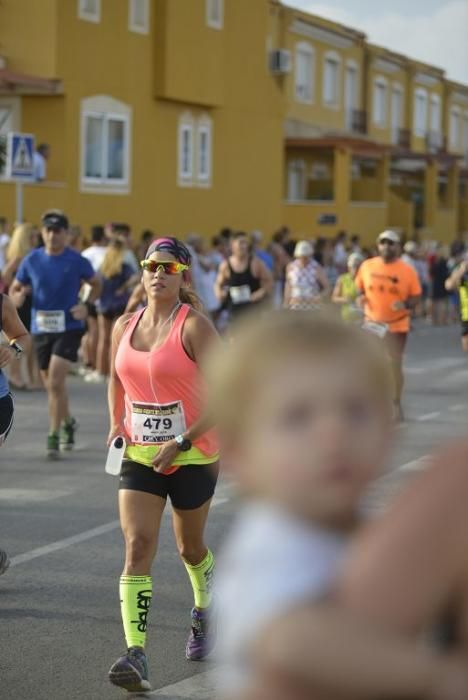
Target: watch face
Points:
(186, 446)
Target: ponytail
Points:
(188, 296)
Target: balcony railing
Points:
(356, 120)
(434, 142)
(404, 139)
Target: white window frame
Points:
(107, 108)
(435, 100)
(454, 135)
(397, 89)
(332, 57)
(139, 28)
(85, 14)
(215, 8)
(297, 166)
(351, 67)
(420, 96)
(186, 126)
(307, 96)
(204, 127)
(380, 120)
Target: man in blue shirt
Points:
(54, 275)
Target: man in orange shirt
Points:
(390, 290)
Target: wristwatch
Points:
(183, 443)
(16, 347)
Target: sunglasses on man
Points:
(386, 241)
(169, 267)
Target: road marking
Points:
(83, 537)
(428, 416)
(458, 407)
(415, 465)
(201, 686)
(63, 544)
(436, 366)
(31, 495)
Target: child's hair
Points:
(113, 260)
(274, 339)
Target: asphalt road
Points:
(60, 626)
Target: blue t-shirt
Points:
(266, 257)
(55, 281)
(109, 299)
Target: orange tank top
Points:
(164, 395)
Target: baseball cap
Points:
(389, 235)
(303, 249)
(55, 219)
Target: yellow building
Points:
(180, 115)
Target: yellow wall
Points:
(189, 56)
(418, 143)
(367, 221)
(383, 134)
(401, 213)
(28, 36)
(318, 113)
(445, 226)
(107, 59)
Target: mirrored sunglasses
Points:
(170, 267)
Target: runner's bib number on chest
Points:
(50, 321)
(240, 295)
(154, 424)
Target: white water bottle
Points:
(115, 455)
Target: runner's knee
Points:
(139, 550)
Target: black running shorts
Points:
(188, 488)
(64, 345)
(464, 328)
(6, 416)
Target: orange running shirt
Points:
(383, 284)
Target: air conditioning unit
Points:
(280, 61)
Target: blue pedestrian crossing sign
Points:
(20, 156)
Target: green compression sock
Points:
(135, 601)
(201, 578)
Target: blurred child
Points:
(304, 410)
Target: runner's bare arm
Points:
(13, 327)
(137, 297)
(115, 392)
(96, 286)
(337, 296)
(199, 337)
(17, 293)
(323, 281)
(261, 271)
(287, 293)
(14, 330)
(453, 282)
(221, 281)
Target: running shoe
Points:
(67, 434)
(95, 378)
(130, 672)
(53, 446)
(201, 640)
(4, 561)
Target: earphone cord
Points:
(169, 319)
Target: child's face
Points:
(316, 434)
